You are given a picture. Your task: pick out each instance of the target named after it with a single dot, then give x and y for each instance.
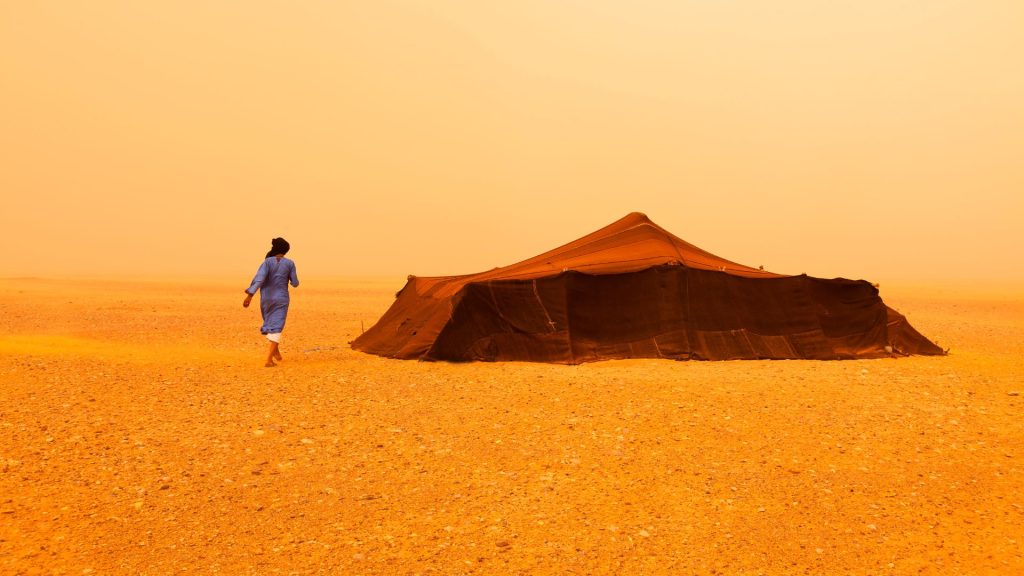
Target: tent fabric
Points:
(633, 290)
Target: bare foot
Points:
(277, 355)
(270, 365)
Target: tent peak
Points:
(637, 218)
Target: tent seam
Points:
(536, 294)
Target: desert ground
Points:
(141, 434)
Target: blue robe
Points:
(272, 281)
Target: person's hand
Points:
(248, 299)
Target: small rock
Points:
(307, 440)
(501, 543)
(1013, 393)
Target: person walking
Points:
(272, 279)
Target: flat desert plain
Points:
(141, 434)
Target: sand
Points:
(141, 434)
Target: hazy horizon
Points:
(858, 139)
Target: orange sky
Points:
(867, 139)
